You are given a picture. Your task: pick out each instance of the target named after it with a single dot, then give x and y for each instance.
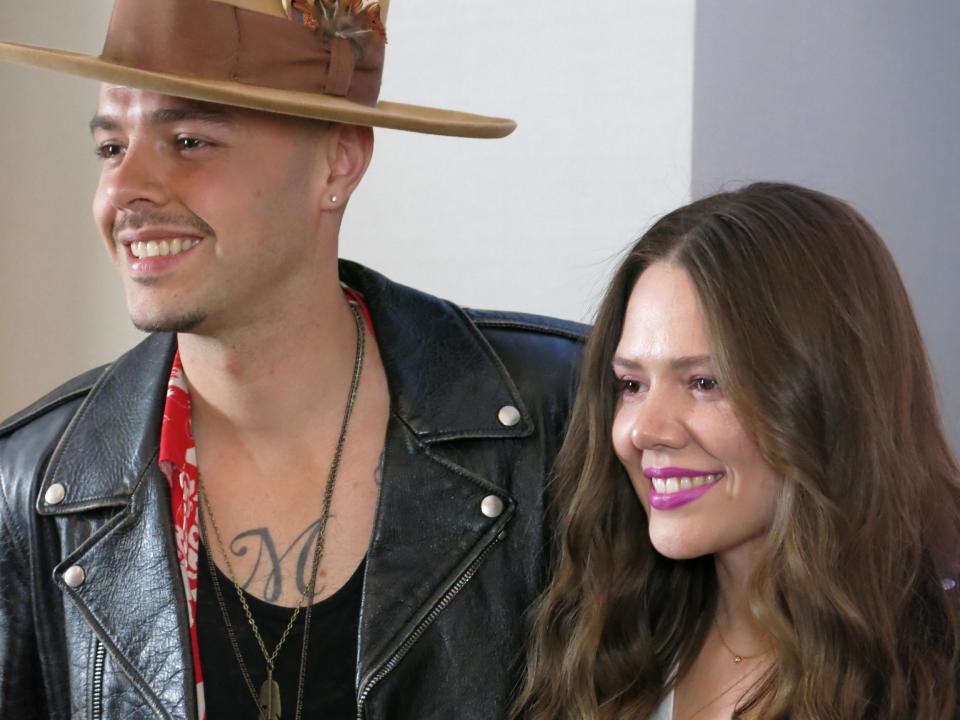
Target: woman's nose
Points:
(657, 422)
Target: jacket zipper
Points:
(99, 658)
(427, 621)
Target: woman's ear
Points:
(349, 149)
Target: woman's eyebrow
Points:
(680, 363)
(688, 361)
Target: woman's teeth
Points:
(163, 248)
(666, 486)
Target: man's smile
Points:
(163, 248)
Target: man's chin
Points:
(176, 324)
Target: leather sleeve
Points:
(25, 445)
(21, 694)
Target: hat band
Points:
(214, 41)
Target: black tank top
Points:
(328, 688)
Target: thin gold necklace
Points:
(268, 702)
(737, 657)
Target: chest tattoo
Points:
(272, 568)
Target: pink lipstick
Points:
(673, 487)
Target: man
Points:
(311, 491)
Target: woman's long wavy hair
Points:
(818, 351)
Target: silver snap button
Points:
(492, 506)
(508, 415)
(74, 576)
(949, 583)
(55, 494)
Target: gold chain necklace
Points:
(268, 701)
(737, 657)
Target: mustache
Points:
(138, 220)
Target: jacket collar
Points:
(113, 440)
(421, 339)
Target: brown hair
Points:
(818, 351)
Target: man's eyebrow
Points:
(167, 116)
(102, 122)
(201, 113)
(680, 363)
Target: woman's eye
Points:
(704, 384)
(627, 386)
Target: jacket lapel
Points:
(431, 535)
(131, 594)
(422, 340)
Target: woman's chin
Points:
(678, 547)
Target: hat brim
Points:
(396, 116)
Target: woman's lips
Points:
(675, 487)
(678, 472)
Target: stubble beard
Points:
(183, 322)
(178, 324)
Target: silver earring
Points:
(333, 199)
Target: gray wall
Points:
(861, 99)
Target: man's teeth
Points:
(152, 248)
(666, 486)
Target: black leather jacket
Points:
(445, 588)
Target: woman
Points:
(771, 532)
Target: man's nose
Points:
(658, 421)
(138, 178)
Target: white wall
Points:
(604, 104)
(860, 99)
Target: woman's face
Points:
(701, 478)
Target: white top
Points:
(664, 710)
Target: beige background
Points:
(604, 103)
(60, 306)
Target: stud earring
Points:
(333, 199)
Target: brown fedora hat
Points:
(311, 58)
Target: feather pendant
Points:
(269, 698)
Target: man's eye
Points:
(109, 150)
(190, 143)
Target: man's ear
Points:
(349, 149)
